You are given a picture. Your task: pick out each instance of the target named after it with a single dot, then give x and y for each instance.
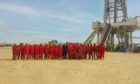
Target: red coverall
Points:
(46, 52)
(78, 54)
(102, 51)
(90, 51)
(83, 51)
(26, 51)
(60, 50)
(86, 51)
(36, 52)
(56, 52)
(99, 52)
(14, 51)
(95, 51)
(22, 56)
(41, 51)
(32, 52)
(17, 52)
(51, 51)
(70, 51)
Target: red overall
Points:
(99, 52)
(36, 52)
(51, 51)
(32, 52)
(102, 51)
(55, 52)
(83, 52)
(46, 51)
(95, 51)
(60, 50)
(79, 54)
(22, 56)
(69, 51)
(17, 52)
(14, 51)
(26, 51)
(41, 51)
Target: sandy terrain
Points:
(116, 68)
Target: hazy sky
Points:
(43, 20)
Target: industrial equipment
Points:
(116, 26)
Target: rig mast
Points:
(116, 26)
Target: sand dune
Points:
(116, 68)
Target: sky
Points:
(45, 20)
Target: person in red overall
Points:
(90, 51)
(26, 51)
(95, 51)
(46, 51)
(85, 56)
(21, 51)
(99, 52)
(78, 50)
(73, 52)
(51, 51)
(83, 51)
(56, 52)
(69, 51)
(14, 51)
(102, 51)
(36, 52)
(32, 52)
(60, 51)
(41, 51)
(79, 53)
(17, 52)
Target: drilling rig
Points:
(117, 29)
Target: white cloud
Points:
(78, 17)
(31, 11)
(67, 18)
(18, 9)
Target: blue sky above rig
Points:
(44, 20)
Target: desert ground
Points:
(116, 68)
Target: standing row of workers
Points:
(58, 51)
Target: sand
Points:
(116, 68)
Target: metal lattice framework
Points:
(116, 23)
(115, 11)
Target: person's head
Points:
(26, 44)
(102, 44)
(21, 44)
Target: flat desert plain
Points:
(116, 68)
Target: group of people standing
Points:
(58, 51)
